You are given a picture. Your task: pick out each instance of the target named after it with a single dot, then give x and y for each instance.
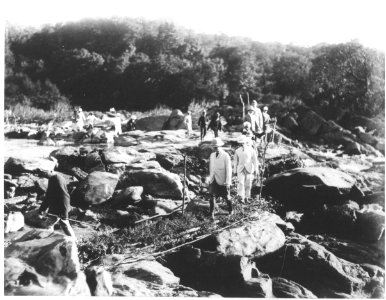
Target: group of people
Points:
(82, 122)
(245, 167)
(221, 169)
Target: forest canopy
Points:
(136, 64)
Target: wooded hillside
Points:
(133, 64)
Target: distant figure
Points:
(252, 119)
(131, 124)
(267, 121)
(202, 124)
(79, 119)
(188, 123)
(247, 131)
(246, 167)
(116, 119)
(220, 176)
(57, 201)
(259, 116)
(215, 124)
(90, 120)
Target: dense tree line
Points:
(132, 64)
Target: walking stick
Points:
(262, 170)
(242, 102)
(248, 98)
(183, 193)
(85, 223)
(273, 131)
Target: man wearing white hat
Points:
(220, 175)
(246, 166)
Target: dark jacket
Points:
(57, 198)
(202, 121)
(215, 124)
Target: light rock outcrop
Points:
(43, 263)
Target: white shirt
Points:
(220, 168)
(245, 158)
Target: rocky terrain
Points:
(317, 231)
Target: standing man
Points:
(252, 119)
(220, 176)
(79, 119)
(259, 117)
(215, 124)
(131, 123)
(246, 167)
(188, 123)
(57, 201)
(202, 124)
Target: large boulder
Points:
(284, 288)
(93, 162)
(169, 160)
(128, 196)
(227, 275)
(43, 263)
(255, 238)
(315, 268)
(339, 220)
(151, 123)
(68, 157)
(154, 179)
(309, 188)
(371, 224)
(144, 278)
(175, 121)
(16, 166)
(97, 188)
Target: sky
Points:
(299, 22)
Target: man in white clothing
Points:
(246, 166)
(220, 175)
(188, 123)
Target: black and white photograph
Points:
(180, 148)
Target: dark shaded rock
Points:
(355, 252)
(93, 162)
(68, 157)
(151, 123)
(339, 220)
(284, 288)
(309, 188)
(371, 224)
(175, 121)
(128, 196)
(231, 276)
(169, 160)
(315, 268)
